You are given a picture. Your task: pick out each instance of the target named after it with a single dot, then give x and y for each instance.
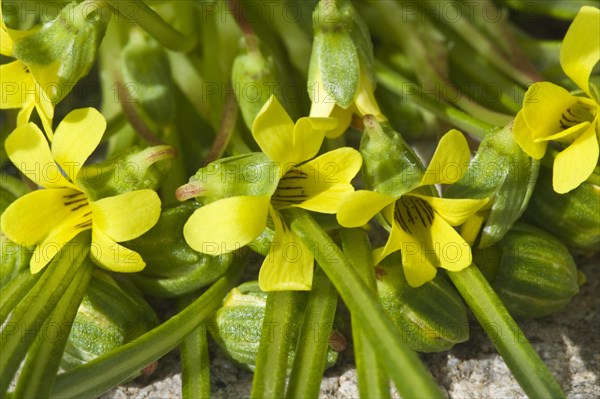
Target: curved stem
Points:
(108, 370)
(402, 364)
(522, 360)
(409, 90)
(138, 12)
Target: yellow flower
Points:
(317, 185)
(551, 113)
(323, 104)
(421, 225)
(19, 87)
(52, 216)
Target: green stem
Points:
(108, 370)
(409, 90)
(14, 291)
(44, 357)
(195, 365)
(520, 357)
(373, 381)
(275, 342)
(28, 316)
(313, 343)
(403, 365)
(139, 13)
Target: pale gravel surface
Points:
(568, 342)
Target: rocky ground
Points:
(568, 341)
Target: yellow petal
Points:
(126, 216)
(543, 107)
(450, 160)
(76, 137)
(576, 162)
(365, 100)
(6, 43)
(31, 218)
(569, 134)
(289, 264)
(357, 208)
(328, 178)
(524, 137)
(393, 244)
(108, 254)
(226, 225)
(17, 85)
(344, 117)
(454, 211)
(273, 130)
(45, 111)
(307, 139)
(451, 249)
(580, 49)
(28, 149)
(48, 249)
(322, 108)
(417, 265)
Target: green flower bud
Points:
(432, 318)
(110, 315)
(237, 325)
(254, 78)
(531, 271)
(248, 174)
(342, 49)
(134, 169)
(502, 172)
(147, 71)
(573, 217)
(172, 267)
(62, 50)
(390, 166)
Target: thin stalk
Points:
(26, 320)
(373, 381)
(520, 357)
(110, 369)
(313, 343)
(275, 342)
(411, 91)
(195, 365)
(402, 364)
(139, 13)
(44, 357)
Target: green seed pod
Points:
(390, 166)
(254, 78)
(147, 75)
(111, 314)
(237, 325)
(248, 174)
(502, 172)
(134, 169)
(573, 217)
(432, 318)
(62, 50)
(172, 267)
(531, 271)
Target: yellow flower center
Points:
(290, 190)
(580, 112)
(412, 212)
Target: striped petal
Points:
(454, 211)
